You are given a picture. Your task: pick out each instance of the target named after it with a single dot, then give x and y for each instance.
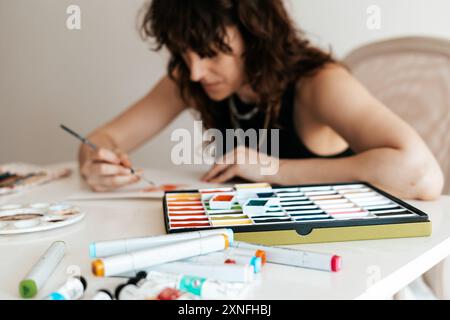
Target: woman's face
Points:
(223, 74)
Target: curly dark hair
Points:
(276, 52)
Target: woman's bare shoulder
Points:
(310, 87)
(331, 86)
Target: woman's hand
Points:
(105, 170)
(244, 163)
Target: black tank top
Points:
(290, 145)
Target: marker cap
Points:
(119, 290)
(56, 296)
(230, 235)
(336, 263)
(98, 268)
(261, 254)
(227, 241)
(28, 288)
(83, 282)
(92, 250)
(139, 276)
(256, 263)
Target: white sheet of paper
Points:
(129, 192)
(136, 191)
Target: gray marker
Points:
(42, 270)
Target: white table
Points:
(371, 269)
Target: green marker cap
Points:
(28, 288)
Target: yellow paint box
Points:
(305, 214)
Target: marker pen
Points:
(102, 295)
(131, 290)
(139, 260)
(42, 270)
(198, 286)
(228, 258)
(115, 247)
(73, 289)
(192, 287)
(220, 272)
(297, 258)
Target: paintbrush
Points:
(86, 141)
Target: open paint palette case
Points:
(16, 218)
(262, 214)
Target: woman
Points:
(242, 64)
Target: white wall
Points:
(50, 75)
(343, 23)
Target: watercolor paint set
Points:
(18, 218)
(273, 215)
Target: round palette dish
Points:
(16, 219)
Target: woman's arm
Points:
(390, 154)
(104, 169)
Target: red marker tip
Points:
(336, 263)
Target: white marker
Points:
(42, 270)
(297, 258)
(114, 247)
(221, 272)
(139, 260)
(73, 289)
